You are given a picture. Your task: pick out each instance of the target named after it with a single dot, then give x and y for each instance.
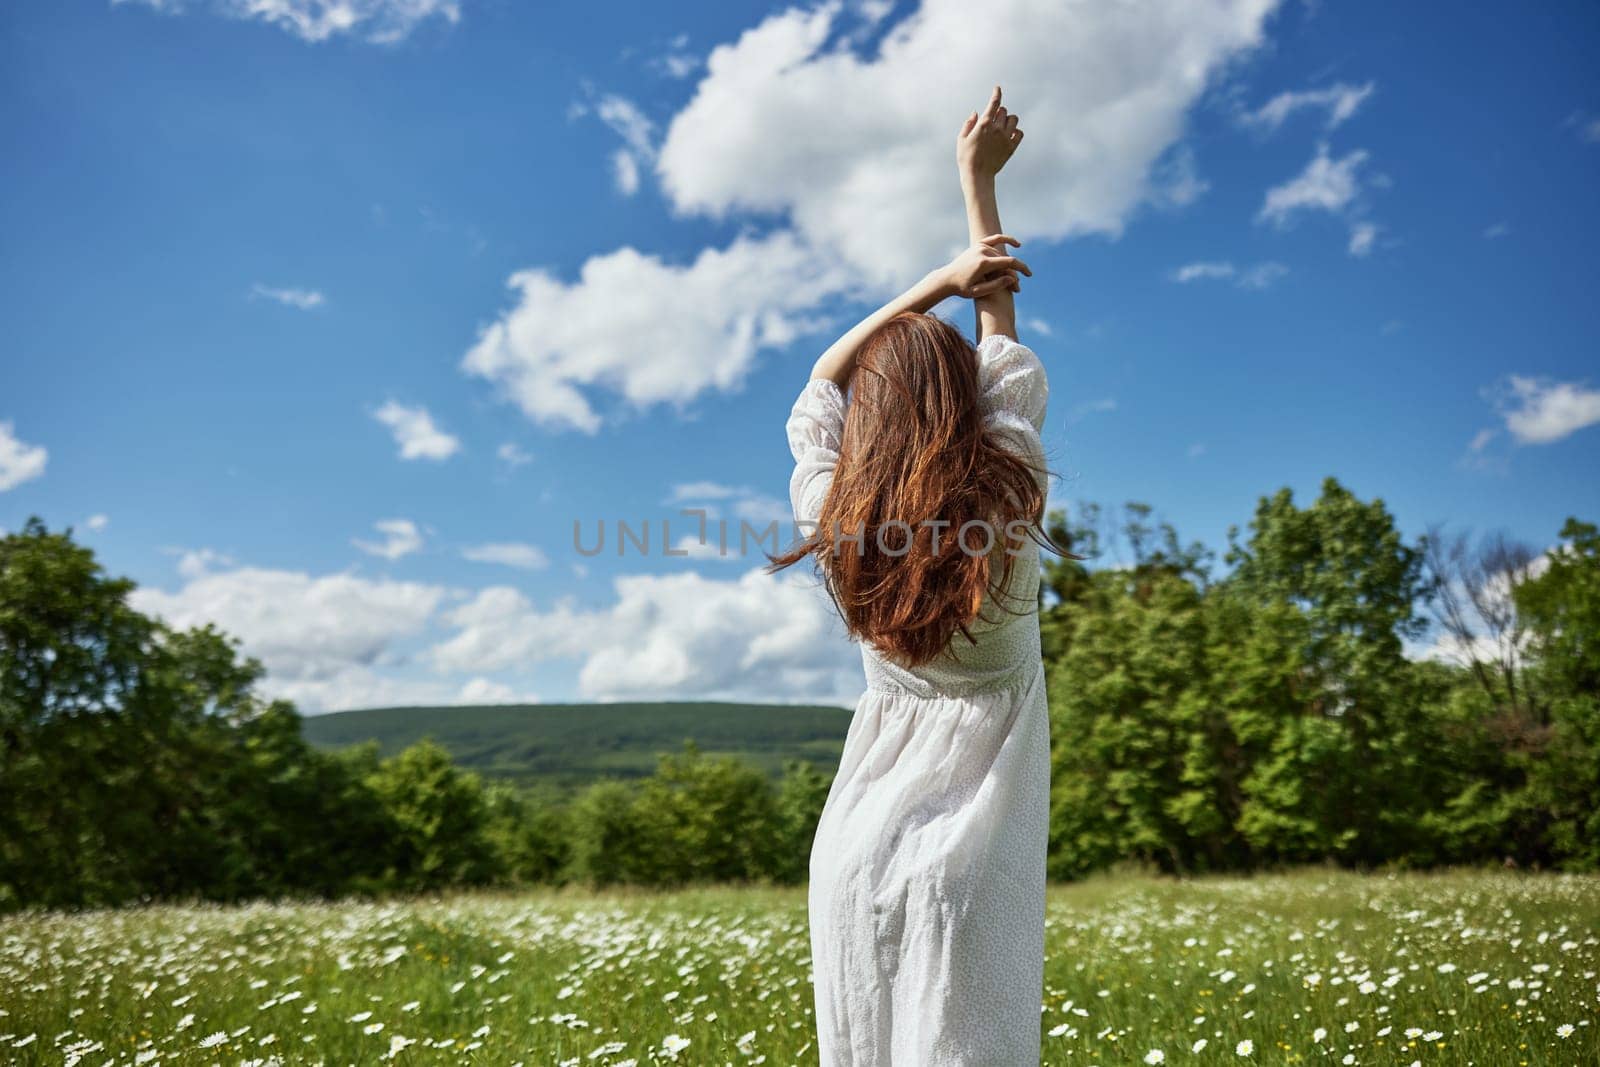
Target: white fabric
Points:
(928, 868)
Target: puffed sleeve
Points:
(815, 429)
(1012, 393)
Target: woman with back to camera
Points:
(925, 492)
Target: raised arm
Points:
(987, 140)
(979, 272)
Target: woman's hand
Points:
(987, 140)
(984, 268)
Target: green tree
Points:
(1561, 608)
(438, 817)
(1311, 676)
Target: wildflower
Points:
(1244, 1048)
(1155, 1055)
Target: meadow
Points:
(1313, 966)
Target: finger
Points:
(1016, 138)
(966, 127)
(1000, 238)
(999, 119)
(988, 109)
(1007, 263)
(1011, 123)
(995, 285)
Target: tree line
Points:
(1263, 717)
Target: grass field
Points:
(1313, 967)
(573, 744)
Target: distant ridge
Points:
(571, 744)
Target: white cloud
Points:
(1341, 101)
(1539, 411)
(415, 432)
(625, 170)
(678, 61)
(302, 299)
(401, 538)
(96, 523)
(192, 563)
(690, 546)
(487, 691)
(512, 455)
(1362, 237)
(702, 491)
(638, 136)
(1191, 272)
(1091, 407)
(19, 461)
(739, 503)
(322, 639)
(378, 21)
(1260, 276)
(508, 554)
(849, 156)
(1327, 184)
(629, 123)
(856, 149)
(756, 637)
(652, 331)
(1499, 229)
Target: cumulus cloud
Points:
(649, 330)
(508, 554)
(1327, 184)
(1540, 411)
(756, 637)
(848, 155)
(19, 461)
(378, 21)
(415, 432)
(322, 639)
(401, 538)
(778, 123)
(1339, 101)
(301, 299)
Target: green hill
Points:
(571, 744)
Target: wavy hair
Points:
(896, 539)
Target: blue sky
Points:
(475, 272)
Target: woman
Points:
(925, 492)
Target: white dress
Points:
(927, 882)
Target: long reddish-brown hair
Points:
(916, 463)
